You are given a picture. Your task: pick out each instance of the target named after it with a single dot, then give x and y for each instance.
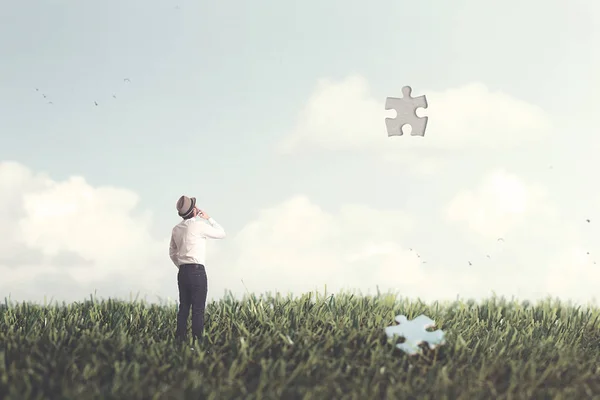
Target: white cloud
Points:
(90, 234)
(500, 204)
(66, 239)
(297, 247)
(544, 252)
(344, 115)
(573, 274)
(337, 116)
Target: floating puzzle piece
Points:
(406, 108)
(414, 333)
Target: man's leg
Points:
(185, 301)
(199, 290)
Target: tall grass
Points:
(299, 348)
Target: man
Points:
(187, 251)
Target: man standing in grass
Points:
(187, 251)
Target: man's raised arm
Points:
(212, 231)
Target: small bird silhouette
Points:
(96, 103)
(470, 263)
(114, 96)
(127, 80)
(588, 221)
(500, 240)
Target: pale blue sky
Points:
(214, 86)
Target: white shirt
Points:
(188, 240)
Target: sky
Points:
(273, 115)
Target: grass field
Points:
(313, 347)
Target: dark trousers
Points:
(193, 287)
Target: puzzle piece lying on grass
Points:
(406, 108)
(414, 333)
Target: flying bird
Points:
(588, 221)
(95, 103)
(470, 263)
(114, 96)
(126, 80)
(500, 240)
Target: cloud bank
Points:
(65, 239)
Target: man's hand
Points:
(203, 214)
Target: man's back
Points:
(188, 240)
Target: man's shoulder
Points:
(188, 222)
(179, 225)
